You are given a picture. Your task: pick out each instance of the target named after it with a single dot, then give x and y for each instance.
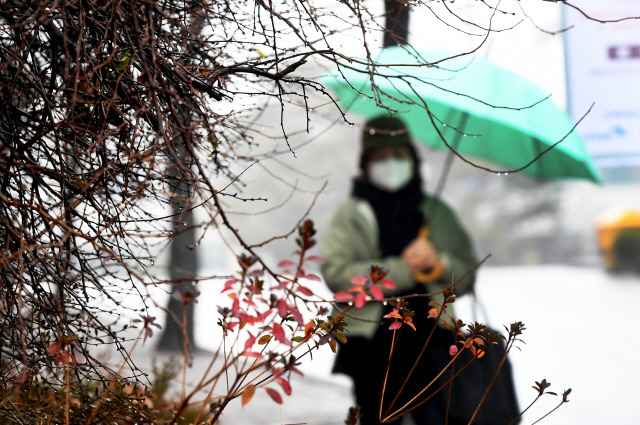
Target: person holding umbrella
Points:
(384, 223)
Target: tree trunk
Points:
(396, 23)
(183, 267)
(183, 264)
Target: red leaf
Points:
(387, 284)
(250, 341)
(453, 350)
(315, 259)
(54, 348)
(275, 395)
(395, 325)
(286, 386)
(228, 285)
(361, 299)
(304, 290)
(377, 293)
(286, 263)
(278, 333)
(262, 316)
(235, 307)
(393, 315)
(296, 315)
(282, 308)
(252, 354)
(246, 318)
(343, 296)
(359, 280)
(313, 277)
(282, 285)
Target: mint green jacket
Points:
(351, 247)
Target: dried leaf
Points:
(332, 344)
(247, 394)
(264, 339)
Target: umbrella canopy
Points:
(482, 110)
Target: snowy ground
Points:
(579, 335)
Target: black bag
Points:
(501, 405)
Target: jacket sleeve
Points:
(350, 248)
(452, 241)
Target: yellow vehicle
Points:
(619, 239)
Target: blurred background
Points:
(546, 268)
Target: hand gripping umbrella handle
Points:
(436, 271)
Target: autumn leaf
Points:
(264, 339)
(54, 348)
(387, 284)
(453, 350)
(309, 327)
(393, 315)
(340, 337)
(377, 293)
(361, 299)
(275, 395)
(247, 394)
(282, 308)
(395, 325)
(304, 290)
(286, 386)
(315, 259)
(312, 277)
(121, 64)
(343, 296)
(278, 333)
(253, 354)
(250, 341)
(332, 344)
(359, 280)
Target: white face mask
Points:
(391, 174)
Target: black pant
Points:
(366, 362)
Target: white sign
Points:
(603, 68)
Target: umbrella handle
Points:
(436, 271)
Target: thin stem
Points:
(67, 403)
(113, 380)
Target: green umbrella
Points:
(481, 110)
